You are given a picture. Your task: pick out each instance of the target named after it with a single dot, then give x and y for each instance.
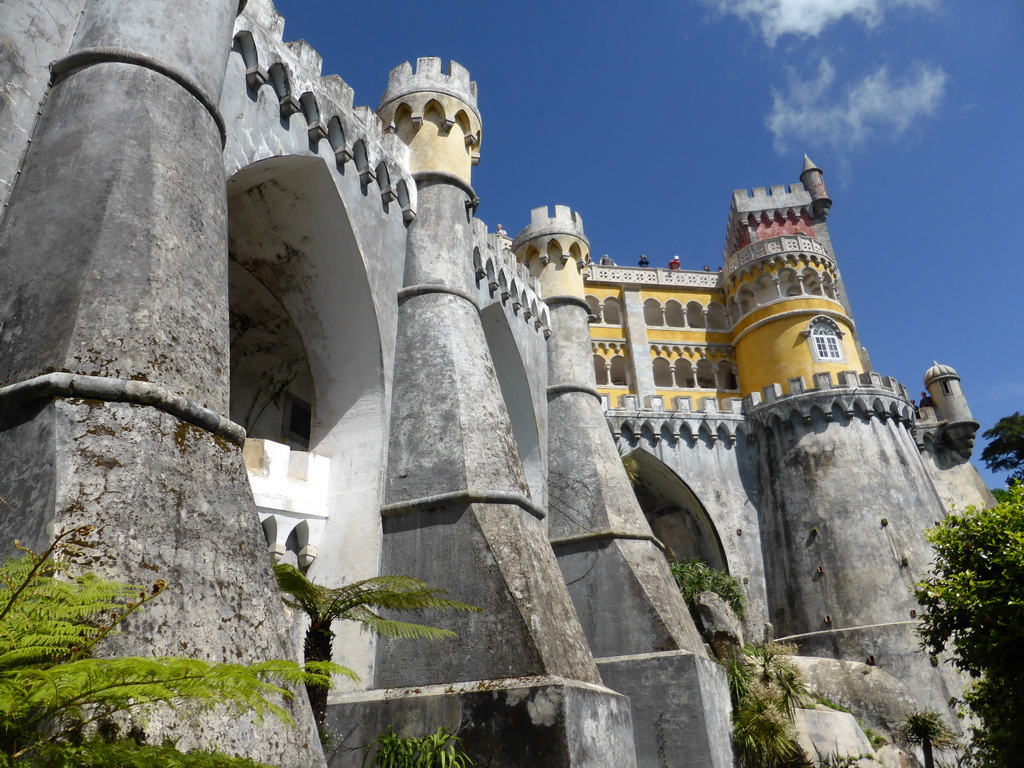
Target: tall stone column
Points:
(518, 680)
(635, 619)
(114, 328)
(639, 346)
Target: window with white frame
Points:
(825, 339)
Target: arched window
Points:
(674, 316)
(618, 372)
(684, 373)
(705, 374)
(746, 299)
(694, 315)
(716, 317)
(812, 283)
(652, 313)
(600, 371)
(595, 307)
(612, 313)
(726, 372)
(825, 339)
(662, 372)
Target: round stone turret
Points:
(814, 182)
(555, 249)
(938, 373)
(959, 428)
(435, 114)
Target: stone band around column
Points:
(463, 496)
(111, 55)
(425, 288)
(73, 385)
(557, 301)
(561, 389)
(609, 534)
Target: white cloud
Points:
(809, 112)
(807, 18)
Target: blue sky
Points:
(644, 117)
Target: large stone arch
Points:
(526, 414)
(294, 252)
(676, 515)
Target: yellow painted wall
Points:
(777, 351)
(561, 279)
(430, 149)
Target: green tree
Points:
(1005, 452)
(927, 729)
(359, 601)
(974, 601)
(62, 706)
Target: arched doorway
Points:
(677, 517)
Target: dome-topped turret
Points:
(938, 372)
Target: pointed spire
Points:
(814, 182)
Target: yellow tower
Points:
(782, 288)
(555, 250)
(435, 114)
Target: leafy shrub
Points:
(436, 750)
(695, 576)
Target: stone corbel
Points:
(289, 106)
(317, 130)
(255, 76)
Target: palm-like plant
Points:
(359, 601)
(927, 729)
(765, 689)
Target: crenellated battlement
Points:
(779, 197)
(708, 423)
(429, 78)
(782, 249)
(290, 73)
(565, 225)
(865, 396)
(500, 278)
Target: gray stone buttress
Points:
(114, 371)
(636, 621)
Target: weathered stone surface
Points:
(877, 698)
(170, 501)
(896, 649)
(828, 555)
(825, 733)
(452, 444)
(34, 34)
(892, 756)
(721, 627)
(133, 283)
(510, 723)
(680, 708)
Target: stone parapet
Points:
(649, 276)
(780, 248)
